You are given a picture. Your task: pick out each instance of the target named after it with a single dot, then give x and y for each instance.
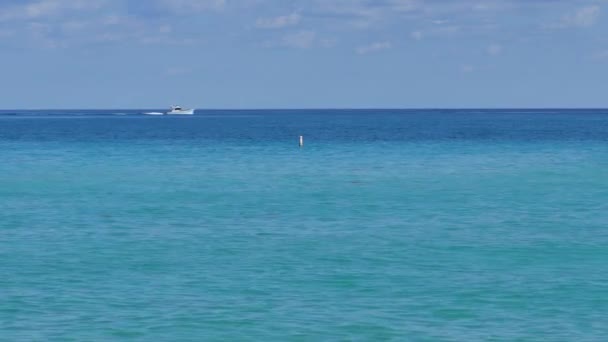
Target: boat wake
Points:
(154, 113)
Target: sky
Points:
(303, 53)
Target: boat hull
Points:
(181, 112)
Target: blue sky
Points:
(303, 53)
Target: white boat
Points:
(177, 110)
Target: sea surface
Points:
(387, 225)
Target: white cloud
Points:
(301, 39)
(583, 17)
(190, 6)
(42, 8)
(374, 47)
(62, 23)
(362, 14)
(278, 22)
(47, 8)
(161, 21)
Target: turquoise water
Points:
(387, 225)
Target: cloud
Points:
(162, 21)
(361, 13)
(583, 17)
(190, 6)
(68, 23)
(300, 40)
(278, 22)
(163, 9)
(374, 47)
(45, 9)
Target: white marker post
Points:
(301, 140)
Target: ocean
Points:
(387, 225)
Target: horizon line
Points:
(323, 108)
